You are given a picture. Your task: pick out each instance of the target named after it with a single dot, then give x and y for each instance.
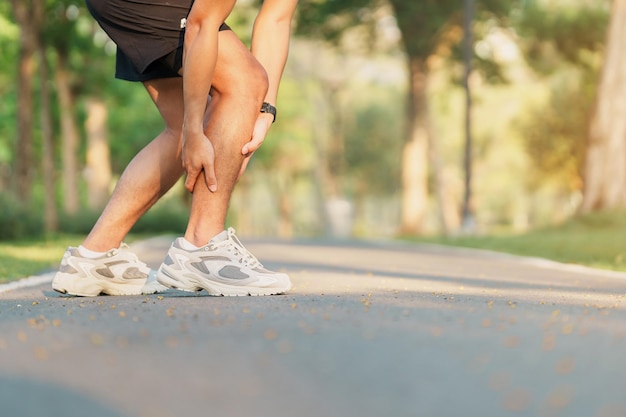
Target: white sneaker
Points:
(222, 267)
(118, 272)
(152, 286)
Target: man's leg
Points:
(151, 173)
(239, 85)
(210, 258)
(238, 88)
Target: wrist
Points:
(192, 128)
(269, 109)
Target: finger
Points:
(249, 147)
(209, 177)
(190, 181)
(253, 145)
(244, 164)
(258, 136)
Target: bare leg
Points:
(153, 171)
(239, 85)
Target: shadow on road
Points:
(22, 397)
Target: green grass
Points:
(597, 240)
(23, 258)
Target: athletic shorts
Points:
(149, 35)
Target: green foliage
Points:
(288, 144)
(329, 19)
(554, 33)
(79, 223)
(374, 145)
(555, 134)
(166, 217)
(17, 221)
(562, 39)
(596, 240)
(8, 57)
(564, 43)
(8, 127)
(71, 33)
(424, 24)
(132, 123)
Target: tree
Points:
(425, 26)
(51, 221)
(563, 43)
(29, 16)
(605, 166)
(9, 36)
(69, 34)
(61, 37)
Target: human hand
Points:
(261, 127)
(197, 156)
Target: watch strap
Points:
(268, 108)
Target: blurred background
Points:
(396, 118)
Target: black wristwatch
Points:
(268, 108)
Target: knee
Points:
(248, 83)
(260, 81)
(253, 83)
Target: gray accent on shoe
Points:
(134, 273)
(115, 263)
(130, 273)
(200, 266)
(215, 258)
(168, 260)
(105, 272)
(232, 272)
(67, 269)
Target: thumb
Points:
(244, 164)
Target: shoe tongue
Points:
(220, 237)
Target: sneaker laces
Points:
(124, 247)
(233, 244)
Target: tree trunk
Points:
(285, 214)
(445, 216)
(415, 152)
(69, 136)
(605, 165)
(24, 12)
(47, 147)
(323, 180)
(98, 172)
(335, 149)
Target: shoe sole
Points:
(193, 283)
(90, 287)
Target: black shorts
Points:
(149, 35)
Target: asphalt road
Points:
(369, 329)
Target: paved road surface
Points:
(368, 330)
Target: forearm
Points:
(270, 41)
(200, 57)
